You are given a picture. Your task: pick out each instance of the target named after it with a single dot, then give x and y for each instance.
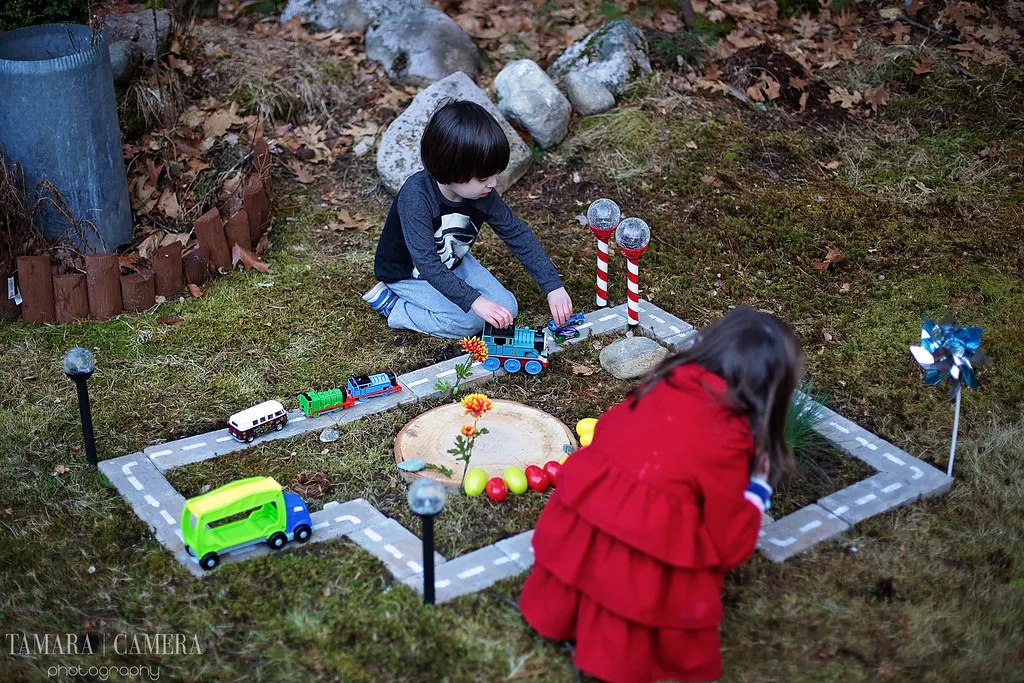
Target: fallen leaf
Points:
(193, 117)
(772, 88)
(797, 82)
(218, 123)
(711, 181)
(248, 259)
(845, 288)
(578, 369)
(170, 320)
(168, 204)
(302, 172)
(803, 100)
(831, 257)
(844, 97)
(921, 186)
(691, 145)
(149, 245)
(180, 64)
(923, 66)
(876, 97)
(992, 151)
(807, 27)
(832, 165)
(172, 237)
(60, 469)
(740, 39)
(754, 93)
(890, 13)
(195, 291)
(345, 221)
(128, 261)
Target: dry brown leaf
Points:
(807, 27)
(844, 97)
(803, 101)
(193, 117)
(149, 245)
(170, 320)
(923, 66)
(302, 172)
(180, 64)
(991, 151)
(771, 87)
(740, 39)
(172, 237)
(168, 204)
(833, 256)
(876, 97)
(797, 82)
(247, 259)
(691, 145)
(128, 261)
(195, 291)
(754, 93)
(714, 182)
(218, 123)
(579, 369)
(832, 165)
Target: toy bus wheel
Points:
(248, 439)
(302, 533)
(533, 367)
(279, 426)
(492, 364)
(209, 561)
(512, 365)
(277, 540)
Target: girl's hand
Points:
(492, 312)
(560, 304)
(762, 467)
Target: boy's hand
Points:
(494, 313)
(561, 305)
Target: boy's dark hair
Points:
(462, 142)
(761, 361)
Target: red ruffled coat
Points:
(631, 550)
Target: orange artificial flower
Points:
(475, 347)
(476, 405)
(468, 431)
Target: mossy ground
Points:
(933, 591)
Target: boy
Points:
(428, 280)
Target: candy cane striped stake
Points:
(602, 218)
(633, 236)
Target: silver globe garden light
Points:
(602, 217)
(426, 498)
(633, 236)
(78, 366)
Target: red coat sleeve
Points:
(732, 521)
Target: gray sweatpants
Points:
(422, 308)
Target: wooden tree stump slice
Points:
(257, 207)
(518, 436)
(236, 230)
(8, 309)
(169, 278)
(103, 280)
(210, 232)
(35, 278)
(138, 292)
(197, 267)
(71, 297)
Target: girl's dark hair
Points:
(462, 142)
(761, 361)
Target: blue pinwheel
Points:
(949, 350)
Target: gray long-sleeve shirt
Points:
(426, 236)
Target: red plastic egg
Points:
(537, 479)
(496, 489)
(552, 467)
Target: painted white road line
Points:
(417, 382)
(502, 560)
(844, 430)
(136, 483)
(479, 569)
(347, 518)
(783, 543)
(583, 326)
(373, 535)
(675, 329)
(152, 501)
(657, 319)
(865, 442)
(445, 373)
(892, 487)
(159, 453)
(167, 517)
(443, 583)
(608, 317)
(195, 445)
(810, 525)
(299, 418)
(866, 499)
(321, 525)
(841, 509)
(892, 457)
(415, 566)
(917, 472)
(395, 552)
(127, 467)
(225, 438)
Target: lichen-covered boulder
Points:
(615, 55)
(421, 46)
(632, 357)
(398, 155)
(344, 15)
(529, 97)
(587, 94)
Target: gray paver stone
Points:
(342, 519)
(797, 532)
(660, 323)
(468, 574)
(519, 548)
(399, 549)
(872, 496)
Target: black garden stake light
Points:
(78, 365)
(426, 498)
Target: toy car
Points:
(211, 524)
(515, 348)
(247, 424)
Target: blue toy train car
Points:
(360, 388)
(515, 348)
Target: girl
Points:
(633, 546)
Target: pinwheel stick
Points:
(956, 428)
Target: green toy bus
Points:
(239, 515)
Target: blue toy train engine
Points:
(515, 348)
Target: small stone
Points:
(329, 435)
(587, 94)
(632, 357)
(529, 97)
(363, 147)
(414, 465)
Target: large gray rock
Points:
(398, 156)
(632, 357)
(587, 94)
(529, 97)
(615, 55)
(125, 57)
(151, 29)
(344, 15)
(421, 46)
